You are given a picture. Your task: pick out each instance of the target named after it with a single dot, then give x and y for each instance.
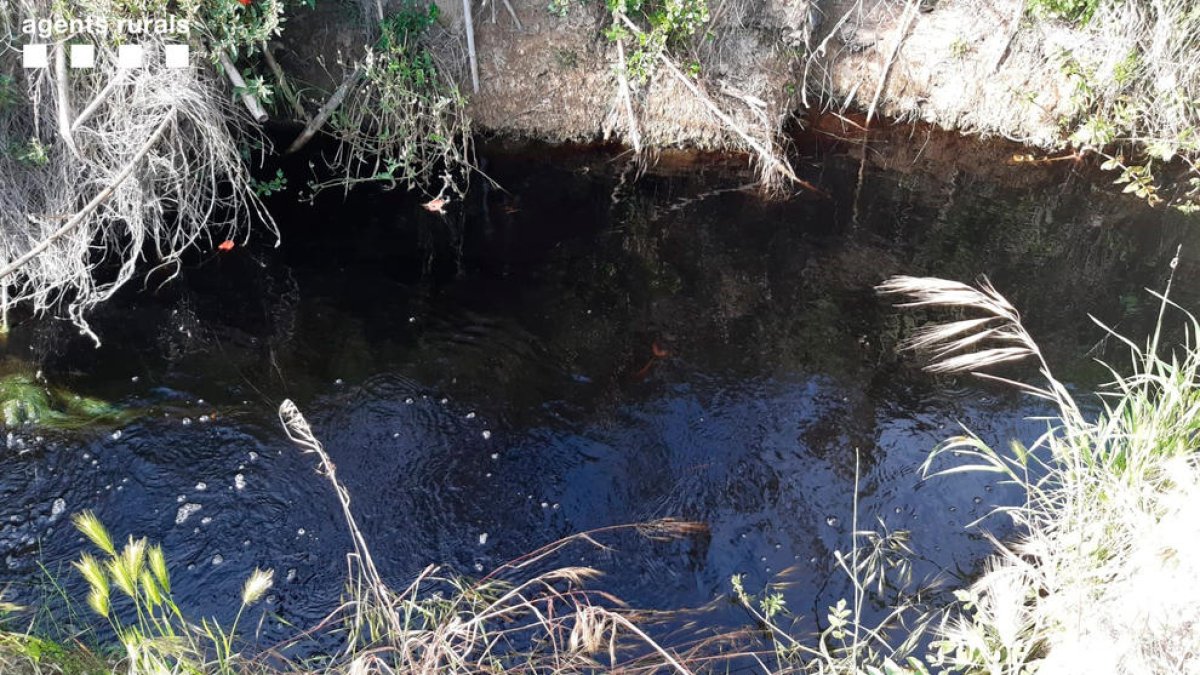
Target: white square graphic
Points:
(83, 56)
(129, 56)
(35, 56)
(177, 56)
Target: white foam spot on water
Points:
(471, 415)
(239, 482)
(201, 486)
(58, 507)
(217, 559)
(408, 401)
(253, 456)
(300, 532)
(478, 567)
(185, 512)
(116, 435)
(187, 421)
(483, 538)
(495, 455)
(486, 434)
(205, 520)
(291, 574)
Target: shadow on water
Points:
(570, 352)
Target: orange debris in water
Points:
(226, 245)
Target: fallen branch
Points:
(765, 154)
(634, 136)
(63, 91)
(314, 125)
(92, 107)
(910, 12)
(96, 201)
(820, 50)
(470, 26)
(1012, 34)
(249, 100)
(513, 13)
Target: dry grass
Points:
(1102, 580)
(151, 152)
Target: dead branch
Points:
(249, 100)
(314, 125)
(96, 201)
(910, 11)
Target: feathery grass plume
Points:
(259, 582)
(91, 527)
(1102, 576)
(158, 566)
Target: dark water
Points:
(494, 371)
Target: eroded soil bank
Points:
(956, 64)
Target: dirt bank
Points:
(958, 64)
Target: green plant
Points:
(404, 124)
(1099, 579)
(1071, 11)
(959, 48)
(159, 638)
(269, 187)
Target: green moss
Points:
(27, 399)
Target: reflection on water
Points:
(568, 353)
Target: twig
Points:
(64, 98)
(513, 13)
(314, 125)
(470, 26)
(249, 100)
(96, 201)
(765, 154)
(910, 12)
(820, 50)
(1012, 34)
(99, 99)
(635, 136)
(284, 87)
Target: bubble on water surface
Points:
(185, 512)
(832, 521)
(116, 435)
(239, 482)
(483, 538)
(205, 520)
(201, 486)
(408, 401)
(217, 560)
(187, 421)
(471, 415)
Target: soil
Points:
(961, 66)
